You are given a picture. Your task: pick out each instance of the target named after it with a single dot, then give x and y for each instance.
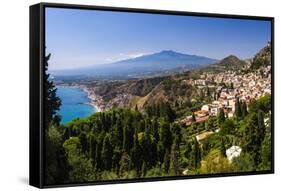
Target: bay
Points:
(74, 103)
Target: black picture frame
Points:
(37, 56)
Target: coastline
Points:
(93, 98)
(90, 94)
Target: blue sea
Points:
(74, 103)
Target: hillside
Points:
(262, 58)
(230, 62)
(109, 90)
(145, 92)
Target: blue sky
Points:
(78, 38)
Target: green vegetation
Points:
(124, 143)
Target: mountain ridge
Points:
(147, 64)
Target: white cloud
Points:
(133, 55)
(124, 56)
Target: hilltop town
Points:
(228, 87)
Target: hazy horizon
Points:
(81, 38)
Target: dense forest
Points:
(123, 143)
(126, 143)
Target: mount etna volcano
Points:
(160, 62)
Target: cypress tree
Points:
(218, 95)
(157, 110)
(118, 133)
(174, 164)
(125, 145)
(84, 142)
(231, 86)
(261, 126)
(238, 109)
(143, 169)
(136, 152)
(124, 163)
(55, 159)
(250, 133)
(92, 148)
(221, 116)
(222, 148)
(166, 135)
(193, 117)
(244, 110)
(166, 161)
(260, 129)
(117, 153)
(196, 155)
(155, 130)
(176, 104)
(106, 153)
(188, 151)
(202, 95)
(52, 101)
(208, 91)
(170, 113)
(97, 158)
(215, 96)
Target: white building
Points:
(233, 152)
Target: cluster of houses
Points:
(230, 85)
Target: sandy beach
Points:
(95, 101)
